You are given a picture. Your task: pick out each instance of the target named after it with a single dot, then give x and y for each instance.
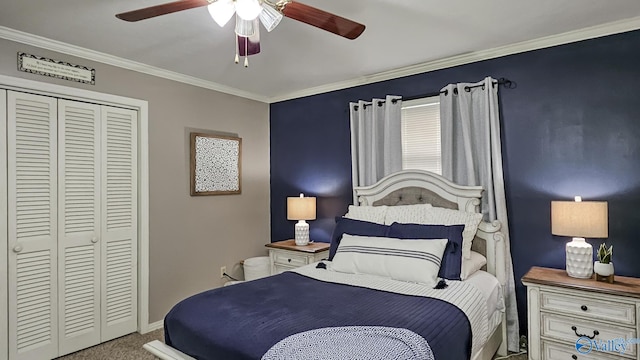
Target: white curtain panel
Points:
(472, 155)
(376, 144)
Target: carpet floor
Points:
(130, 348)
(125, 348)
(515, 357)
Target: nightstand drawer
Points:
(589, 308)
(282, 268)
(560, 328)
(555, 351)
(290, 258)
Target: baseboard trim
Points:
(153, 326)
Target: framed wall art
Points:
(215, 164)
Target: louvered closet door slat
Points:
(119, 222)
(78, 225)
(32, 226)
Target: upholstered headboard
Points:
(410, 187)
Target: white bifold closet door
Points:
(32, 226)
(119, 239)
(72, 225)
(79, 259)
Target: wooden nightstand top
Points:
(625, 286)
(312, 248)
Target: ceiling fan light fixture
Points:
(246, 28)
(248, 9)
(221, 11)
(270, 17)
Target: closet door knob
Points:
(94, 240)
(17, 248)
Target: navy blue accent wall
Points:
(571, 127)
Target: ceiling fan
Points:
(249, 15)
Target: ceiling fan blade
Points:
(323, 20)
(163, 9)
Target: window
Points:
(421, 135)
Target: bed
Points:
(312, 305)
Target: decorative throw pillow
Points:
(374, 214)
(452, 257)
(354, 227)
(416, 261)
(442, 216)
(473, 264)
(408, 214)
(426, 214)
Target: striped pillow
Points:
(416, 261)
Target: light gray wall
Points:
(190, 237)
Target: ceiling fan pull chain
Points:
(246, 52)
(237, 56)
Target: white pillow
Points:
(374, 214)
(416, 261)
(408, 214)
(455, 217)
(471, 265)
(429, 215)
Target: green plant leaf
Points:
(605, 255)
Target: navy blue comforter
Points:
(243, 321)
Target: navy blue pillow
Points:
(452, 257)
(354, 227)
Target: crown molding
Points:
(68, 49)
(467, 58)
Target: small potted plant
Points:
(604, 265)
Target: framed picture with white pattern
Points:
(215, 164)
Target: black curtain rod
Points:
(502, 81)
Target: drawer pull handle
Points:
(574, 357)
(595, 333)
(584, 308)
(289, 260)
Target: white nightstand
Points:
(564, 311)
(286, 255)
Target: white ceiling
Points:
(297, 58)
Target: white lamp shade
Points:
(248, 9)
(221, 11)
(301, 208)
(586, 219)
(270, 17)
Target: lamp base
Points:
(302, 233)
(579, 259)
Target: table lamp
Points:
(579, 219)
(301, 209)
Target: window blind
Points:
(421, 135)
